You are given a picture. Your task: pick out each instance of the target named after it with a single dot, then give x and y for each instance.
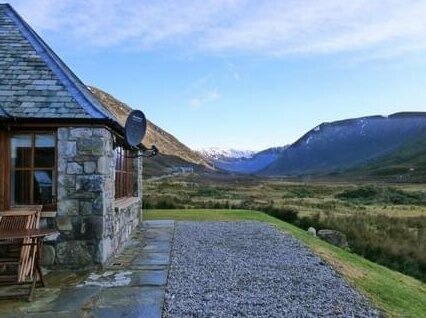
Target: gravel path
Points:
(250, 269)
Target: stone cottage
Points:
(62, 148)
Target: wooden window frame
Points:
(8, 174)
(124, 173)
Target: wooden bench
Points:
(18, 254)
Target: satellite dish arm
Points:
(146, 152)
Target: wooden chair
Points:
(23, 255)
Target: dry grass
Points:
(395, 294)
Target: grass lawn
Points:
(395, 294)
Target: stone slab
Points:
(133, 285)
(158, 224)
(157, 236)
(149, 278)
(148, 267)
(69, 300)
(149, 258)
(151, 232)
(130, 302)
(157, 247)
(61, 314)
(142, 311)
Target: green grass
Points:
(395, 294)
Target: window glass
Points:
(21, 187)
(44, 152)
(33, 172)
(124, 181)
(45, 140)
(21, 151)
(43, 186)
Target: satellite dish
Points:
(135, 128)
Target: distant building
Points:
(180, 170)
(186, 169)
(62, 148)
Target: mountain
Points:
(342, 145)
(243, 161)
(386, 147)
(407, 163)
(216, 153)
(172, 153)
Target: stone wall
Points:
(119, 226)
(91, 228)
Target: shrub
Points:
(166, 204)
(386, 195)
(286, 214)
(395, 242)
(298, 193)
(364, 193)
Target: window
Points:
(33, 173)
(123, 173)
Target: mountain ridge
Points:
(350, 146)
(343, 144)
(172, 152)
(334, 147)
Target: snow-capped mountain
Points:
(241, 161)
(217, 153)
(327, 148)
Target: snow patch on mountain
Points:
(241, 161)
(217, 153)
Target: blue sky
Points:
(238, 73)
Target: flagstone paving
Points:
(132, 285)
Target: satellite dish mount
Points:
(134, 132)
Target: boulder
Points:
(333, 237)
(48, 255)
(312, 231)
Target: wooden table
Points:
(35, 238)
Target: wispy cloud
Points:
(204, 98)
(233, 70)
(201, 93)
(267, 28)
(200, 83)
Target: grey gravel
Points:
(250, 269)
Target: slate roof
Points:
(34, 82)
(3, 114)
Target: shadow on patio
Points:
(133, 284)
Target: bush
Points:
(363, 193)
(209, 192)
(166, 204)
(387, 195)
(395, 242)
(286, 214)
(298, 193)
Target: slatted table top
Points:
(31, 233)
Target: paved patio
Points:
(133, 285)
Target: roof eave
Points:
(114, 126)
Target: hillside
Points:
(342, 145)
(173, 153)
(389, 148)
(407, 163)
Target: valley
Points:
(243, 159)
(363, 177)
(385, 223)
